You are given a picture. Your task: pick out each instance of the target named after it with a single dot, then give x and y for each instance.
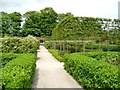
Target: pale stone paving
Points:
(50, 73)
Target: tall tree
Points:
(5, 23)
(15, 23)
(31, 25)
(31, 19)
(41, 23)
(48, 20)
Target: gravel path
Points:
(50, 73)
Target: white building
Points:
(119, 10)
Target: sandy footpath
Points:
(50, 73)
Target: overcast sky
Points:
(90, 8)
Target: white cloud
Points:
(92, 8)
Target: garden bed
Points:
(18, 61)
(92, 73)
(18, 70)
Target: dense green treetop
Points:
(47, 22)
(40, 23)
(31, 19)
(62, 16)
(4, 23)
(76, 28)
(15, 23)
(11, 23)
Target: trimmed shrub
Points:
(20, 45)
(19, 72)
(103, 47)
(110, 57)
(56, 54)
(91, 73)
(47, 45)
(6, 57)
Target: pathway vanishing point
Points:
(50, 73)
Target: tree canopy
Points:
(47, 22)
(11, 23)
(76, 28)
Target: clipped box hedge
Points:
(109, 57)
(19, 72)
(6, 57)
(103, 47)
(79, 47)
(91, 73)
(20, 45)
(56, 54)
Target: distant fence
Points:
(70, 41)
(64, 45)
(40, 38)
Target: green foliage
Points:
(76, 28)
(20, 45)
(31, 27)
(10, 23)
(48, 20)
(4, 23)
(15, 23)
(80, 46)
(65, 46)
(39, 23)
(35, 23)
(31, 19)
(19, 72)
(57, 55)
(110, 57)
(6, 57)
(30, 31)
(47, 45)
(114, 36)
(104, 47)
(62, 16)
(65, 26)
(91, 73)
(87, 28)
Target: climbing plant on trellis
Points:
(87, 28)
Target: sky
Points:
(89, 8)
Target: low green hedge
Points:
(47, 45)
(56, 54)
(6, 57)
(110, 57)
(91, 73)
(79, 47)
(20, 45)
(103, 47)
(19, 72)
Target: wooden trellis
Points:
(64, 44)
